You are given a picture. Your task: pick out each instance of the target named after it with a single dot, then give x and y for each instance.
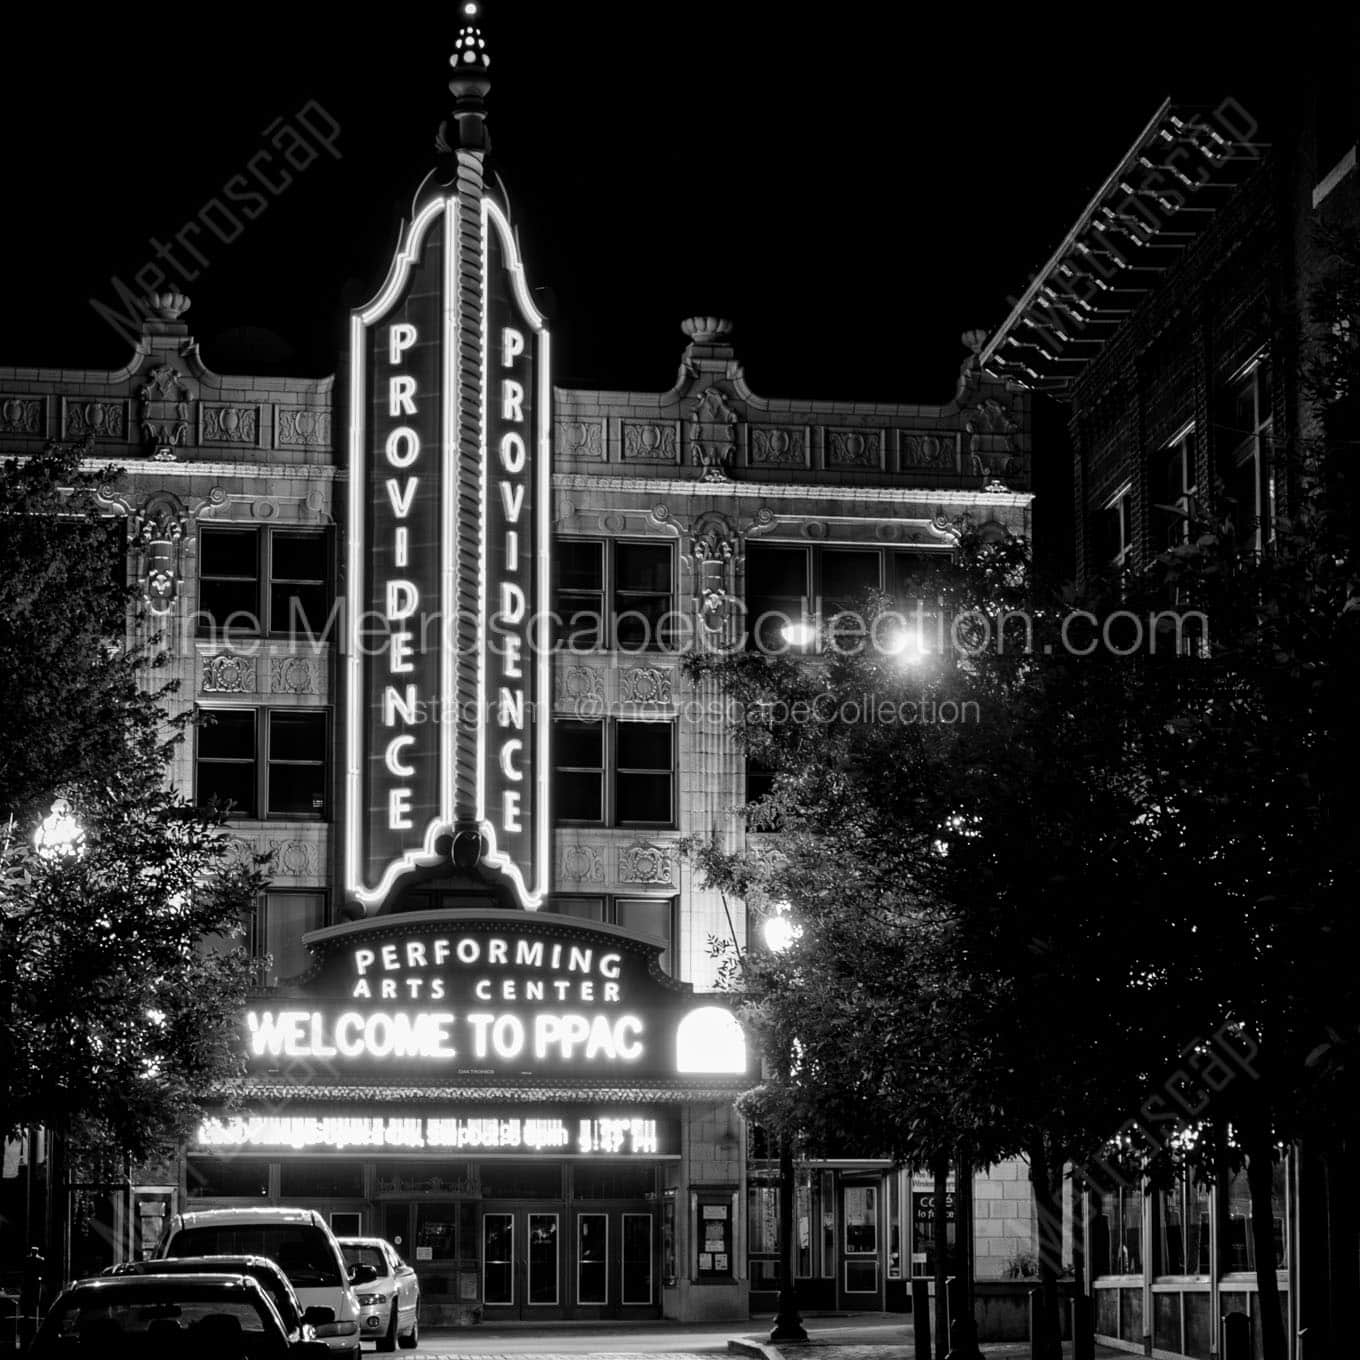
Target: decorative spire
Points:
(469, 83)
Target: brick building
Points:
(1169, 327)
(479, 811)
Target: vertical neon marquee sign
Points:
(406, 786)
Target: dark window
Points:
(578, 567)
(1110, 530)
(1245, 446)
(297, 763)
(644, 762)
(582, 908)
(270, 762)
(297, 582)
(759, 779)
(289, 595)
(578, 771)
(777, 595)
(227, 766)
(846, 576)
(227, 1178)
(642, 596)
(229, 580)
(1172, 487)
(633, 581)
(321, 1178)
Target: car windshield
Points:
(302, 1252)
(270, 1280)
(173, 1321)
(365, 1256)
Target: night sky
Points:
(854, 192)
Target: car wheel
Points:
(412, 1338)
(388, 1340)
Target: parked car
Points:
(302, 1245)
(203, 1317)
(389, 1308)
(300, 1324)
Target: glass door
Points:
(522, 1258)
(861, 1280)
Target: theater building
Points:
(435, 608)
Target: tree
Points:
(116, 1021)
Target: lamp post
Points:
(781, 932)
(59, 837)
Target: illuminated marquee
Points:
(584, 1132)
(490, 994)
(445, 511)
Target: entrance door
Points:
(522, 1259)
(861, 1282)
(614, 1261)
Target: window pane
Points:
(578, 745)
(583, 908)
(578, 797)
(228, 604)
(639, 622)
(644, 746)
(779, 572)
(578, 565)
(637, 1258)
(227, 733)
(297, 736)
(644, 798)
(228, 552)
(296, 790)
(592, 1251)
(297, 610)
(228, 783)
(288, 916)
(650, 917)
(847, 575)
(643, 568)
(299, 557)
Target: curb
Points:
(757, 1350)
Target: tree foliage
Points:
(115, 1018)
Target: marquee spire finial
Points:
(469, 83)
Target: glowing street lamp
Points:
(798, 634)
(59, 835)
(779, 930)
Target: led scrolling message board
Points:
(447, 510)
(493, 995)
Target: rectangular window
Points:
(1111, 534)
(281, 920)
(641, 761)
(1172, 491)
(653, 917)
(644, 763)
(263, 580)
(264, 762)
(778, 596)
(616, 595)
(226, 767)
(578, 771)
(1246, 470)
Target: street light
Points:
(59, 835)
(781, 932)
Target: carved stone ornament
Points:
(992, 452)
(292, 675)
(23, 415)
(648, 442)
(294, 859)
(646, 862)
(646, 685)
(713, 435)
(581, 864)
(155, 533)
(713, 546)
(229, 674)
(579, 689)
(164, 411)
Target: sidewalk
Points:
(837, 1339)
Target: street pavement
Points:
(872, 1337)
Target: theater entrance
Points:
(522, 1261)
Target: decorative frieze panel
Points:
(229, 425)
(228, 674)
(164, 418)
(297, 427)
(581, 864)
(920, 451)
(854, 449)
(646, 685)
(650, 441)
(96, 419)
(582, 439)
(779, 447)
(293, 675)
(713, 435)
(647, 862)
(23, 415)
(293, 859)
(579, 690)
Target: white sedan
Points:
(389, 1307)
